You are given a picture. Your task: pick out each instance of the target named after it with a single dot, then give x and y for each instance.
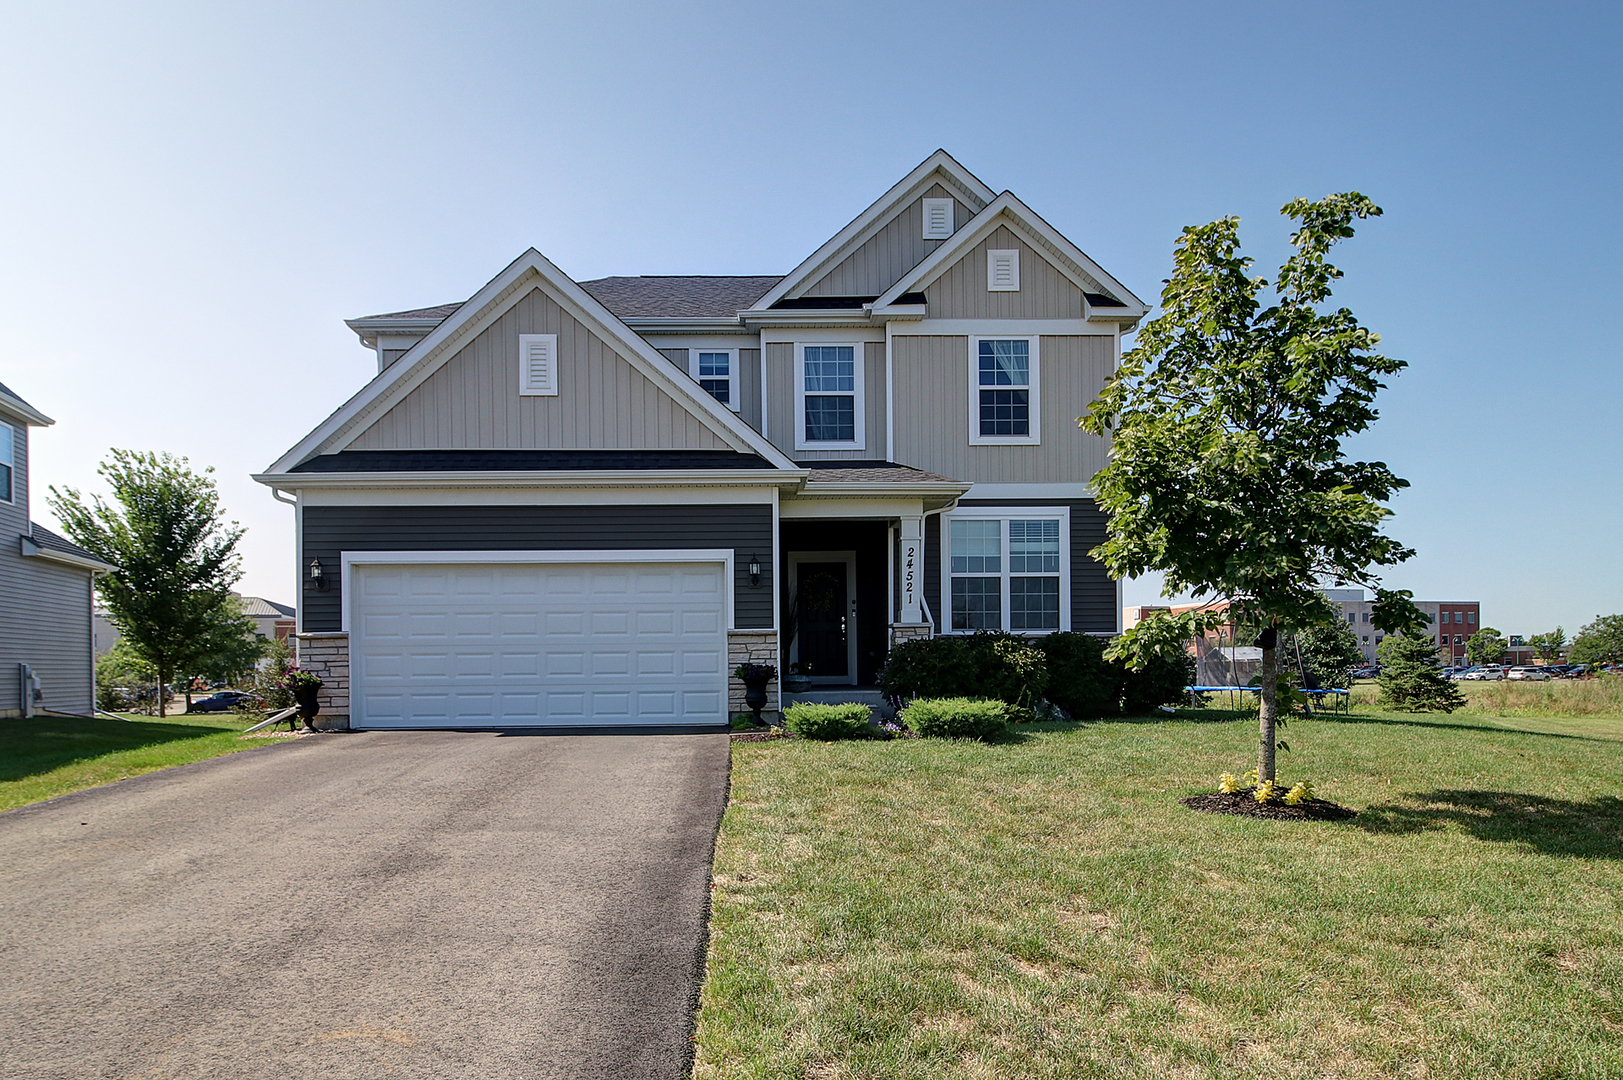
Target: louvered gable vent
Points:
(937, 219)
(1003, 270)
(538, 364)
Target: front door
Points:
(825, 626)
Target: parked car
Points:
(224, 701)
(1365, 672)
(1528, 674)
(1487, 673)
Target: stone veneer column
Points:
(327, 655)
(900, 632)
(750, 647)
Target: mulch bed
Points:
(1242, 803)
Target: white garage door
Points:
(537, 644)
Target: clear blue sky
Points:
(195, 195)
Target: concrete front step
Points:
(843, 696)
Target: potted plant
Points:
(755, 677)
(303, 685)
(798, 681)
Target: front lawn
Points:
(47, 756)
(1044, 907)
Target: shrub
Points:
(1080, 680)
(986, 664)
(1161, 682)
(811, 720)
(1410, 678)
(957, 718)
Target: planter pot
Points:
(755, 698)
(306, 699)
(797, 684)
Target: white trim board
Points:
(531, 496)
(589, 558)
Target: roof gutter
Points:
(791, 479)
(32, 549)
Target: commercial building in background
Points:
(1452, 622)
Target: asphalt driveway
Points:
(413, 904)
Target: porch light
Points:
(316, 577)
(755, 571)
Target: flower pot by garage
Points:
(305, 697)
(755, 697)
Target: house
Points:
(47, 660)
(583, 503)
(272, 621)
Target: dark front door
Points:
(823, 622)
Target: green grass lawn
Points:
(48, 756)
(1044, 907)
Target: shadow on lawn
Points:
(1392, 721)
(38, 745)
(1591, 829)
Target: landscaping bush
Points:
(1080, 680)
(1411, 681)
(825, 723)
(957, 718)
(1161, 682)
(986, 664)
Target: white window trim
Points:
(732, 372)
(9, 435)
(859, 352)
(992, 255)
(1005, 513)
(975, 436)
(951, 219)
(547, 387)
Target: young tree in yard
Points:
(1601, 642)
(1486, 646)
(1411, 680)
(176, 559)
(1551, 646)
(1226, 469)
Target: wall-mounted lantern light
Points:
(317, 578)
(755, 571)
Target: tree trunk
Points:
(1267, 711)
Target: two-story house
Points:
(583, 503)
(47, 649)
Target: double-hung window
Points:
(1008, 570)
(717, 372)
(828, 397)
(1004, 387)
(8, 443)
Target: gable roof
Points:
(42, 543)
(1006, 209)
(939, 167)
(16, 406)
(529, 270)
(669, 296)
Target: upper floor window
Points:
(1470, 617)
(1004, 372)
(717, 372)
(1007, 569)
(828, 397)
(8, 444)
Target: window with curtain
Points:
(8, 444)
(830, 393)
(716, 375)
(1004, 369)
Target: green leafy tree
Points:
(124, 680)
(1486, 646)
(1328, 654)
(176, 559)
(1601, 642)
(1411, 680)
(1227, 472)
(1551, 646)
(267, 680)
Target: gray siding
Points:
(1045, 293)
(472, 401)
(891, 252)
(783, 423)
(933, 411)
(1093, 593)
(679, 357)
(329, 531)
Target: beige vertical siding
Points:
(749, 387)
(679, 357)
(472, 402)
(931, 380)
(888, 254)
(1044, 292)
(783, 423)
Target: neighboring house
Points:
(583, 503)
(47, 661)
(272, 621)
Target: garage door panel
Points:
(505, 645)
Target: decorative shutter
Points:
(937, 219)
(538, 364)
(1003, 270)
